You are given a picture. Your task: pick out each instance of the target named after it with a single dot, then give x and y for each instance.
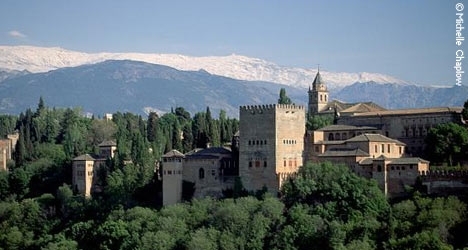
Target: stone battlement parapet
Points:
(269, 107)
(443, 175)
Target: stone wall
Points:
(271, 144)
(408, 126)
(172, 180)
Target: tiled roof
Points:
(213, 150)
(108, 143)
(394, 161)
(367, 161)
(173, 154)
(85, 157)
(373, 138)
(407, 160)
(344, 152)
(330, 142)
(344, 127)
(412, 111)
(362, 107)
(343, 107)
(209, 153)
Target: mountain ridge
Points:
(137, 87)
(42, 59)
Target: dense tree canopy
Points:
(325, 206)
(447, 142)
(465, 111)
(315, 122)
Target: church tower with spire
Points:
(318, 95)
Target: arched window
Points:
(379, 168)
(343, 136)
(330, 137)
(337, 136)
(201, 173)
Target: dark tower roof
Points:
(317, 81)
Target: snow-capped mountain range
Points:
(43, 59)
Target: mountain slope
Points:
(39, 59)
(397, 96)
(137, 87)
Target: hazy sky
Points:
(410, 40)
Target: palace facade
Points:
(272, 143)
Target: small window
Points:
(337, 136)
(213, 172)
(265, 164)
(201, 173)
(250, 164)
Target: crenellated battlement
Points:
(269, 108)
(443, 175)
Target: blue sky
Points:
(410, 40)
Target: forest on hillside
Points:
(325, 207)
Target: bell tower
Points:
(318, 95)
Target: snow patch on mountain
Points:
(42, 59)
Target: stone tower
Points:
(84, 174)
(271, 144)
(172, 166)
(318, 95)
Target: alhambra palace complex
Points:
(272, 143)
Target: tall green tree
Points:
(177, 136)
(152, 126)
(7, 125)
(283, 98)
(465, 111)
(447, 141)
(187, 142)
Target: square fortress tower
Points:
(271, 144)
